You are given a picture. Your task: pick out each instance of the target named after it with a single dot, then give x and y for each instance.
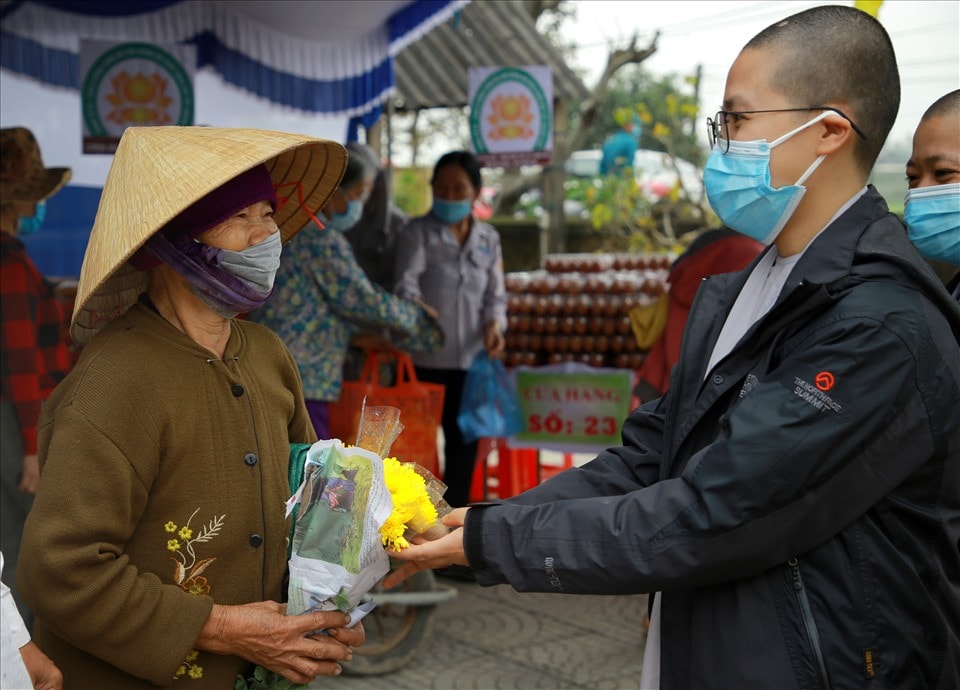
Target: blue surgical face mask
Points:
(738, 186)
(932, 216)
(451, 212)
(341, 222)
(27, 225)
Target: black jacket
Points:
(798, 507)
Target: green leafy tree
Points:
(667, 107)
(618, 204)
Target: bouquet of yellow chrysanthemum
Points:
(417, 495)
(417, 503)
(353, 502)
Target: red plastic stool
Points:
(484, 476)
(547, 471)
(516, 470)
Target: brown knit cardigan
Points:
(164, 477)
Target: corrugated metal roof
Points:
(432, 72)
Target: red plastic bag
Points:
(420, 404)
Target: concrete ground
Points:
(495, 638)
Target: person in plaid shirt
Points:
(34, 355)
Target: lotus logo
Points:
(510, 117)
(139, 99)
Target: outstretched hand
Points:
(262, 633)
(427, 555)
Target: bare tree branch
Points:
(535, 8)
(414, 138)
(618, 58)
(515, 187)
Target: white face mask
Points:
(257, 265)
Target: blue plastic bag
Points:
(489, 406)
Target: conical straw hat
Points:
(157, 172)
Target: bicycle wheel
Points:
(394, 630)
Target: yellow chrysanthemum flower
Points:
(412, 508)
(173, 545)
(170, 527)
(185, 533)
(196, 672)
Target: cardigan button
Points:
(237, 390)
(255, 540)
(718, 379)
(250, 459)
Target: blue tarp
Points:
(26, 49)
(40, 39)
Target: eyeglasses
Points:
(717, 128)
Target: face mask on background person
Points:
(341, 222)
(451, 212)
(932, 217)
(738, 186)
(27, 225)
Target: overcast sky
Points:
(925, 35)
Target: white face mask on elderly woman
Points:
(257, 265)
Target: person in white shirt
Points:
(22, 664)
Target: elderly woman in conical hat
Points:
(157, 546)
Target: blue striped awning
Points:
(333, 57)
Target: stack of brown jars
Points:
(575, 310)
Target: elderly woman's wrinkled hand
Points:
(427, 555)
(262, 633)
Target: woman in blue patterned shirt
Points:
(322, 297)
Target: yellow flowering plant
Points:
(416, 503)
(416, 494)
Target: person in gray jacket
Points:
(794, 497)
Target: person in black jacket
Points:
(794, 497)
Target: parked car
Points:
(654, 171)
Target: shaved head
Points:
(841, 56)
(946, 105)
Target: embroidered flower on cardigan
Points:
(187, 568)
(189, 668)
(197, 585)
(187, 572)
